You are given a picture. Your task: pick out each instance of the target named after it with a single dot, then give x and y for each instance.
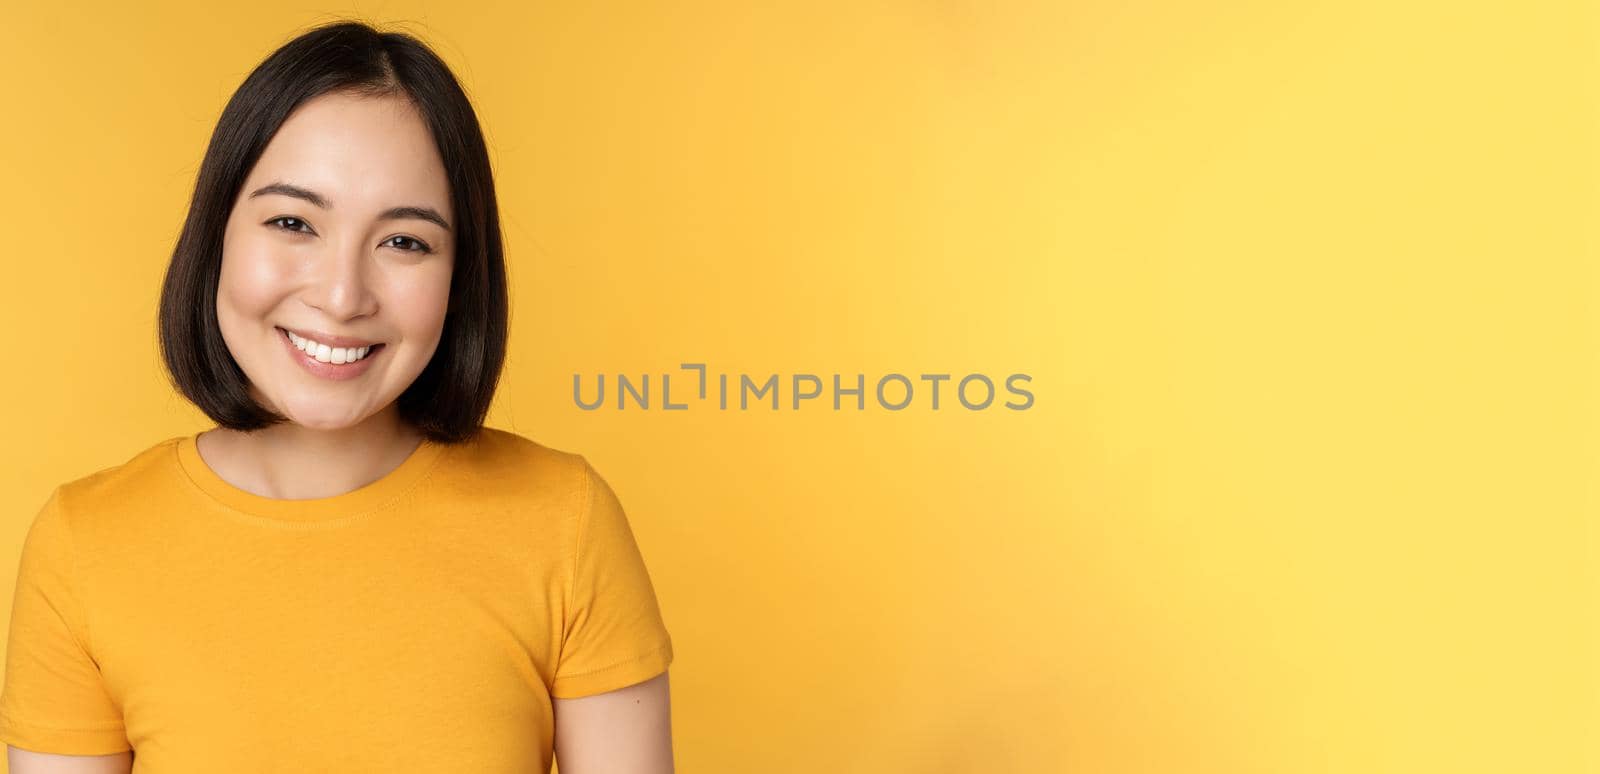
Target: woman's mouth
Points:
(337, 363)
(323, 353)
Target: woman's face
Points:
(333, 239)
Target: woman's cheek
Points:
(426, 298)
(255, 276)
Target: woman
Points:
(349, 573)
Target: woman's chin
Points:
(321, 418)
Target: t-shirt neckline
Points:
(350, 504)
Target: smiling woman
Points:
(339, 222)
(333, 255)
(349, 572)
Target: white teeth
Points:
(326, 354)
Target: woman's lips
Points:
(331, 371)
(330, 339)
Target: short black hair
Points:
(450, 398)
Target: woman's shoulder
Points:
(131, 478)
(494, 445)
(509, 462)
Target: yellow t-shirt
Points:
(421, 623)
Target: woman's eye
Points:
(294, 224)
(418, 245)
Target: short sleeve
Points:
(613, 634)
(53, 699)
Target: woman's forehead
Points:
(358, 152)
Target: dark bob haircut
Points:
(448, 401)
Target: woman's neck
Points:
(292, 462)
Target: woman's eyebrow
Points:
(418, 213)
(393, 213)
(297, 192)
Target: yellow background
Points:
(1306, 291)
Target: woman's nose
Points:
(341, 285)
